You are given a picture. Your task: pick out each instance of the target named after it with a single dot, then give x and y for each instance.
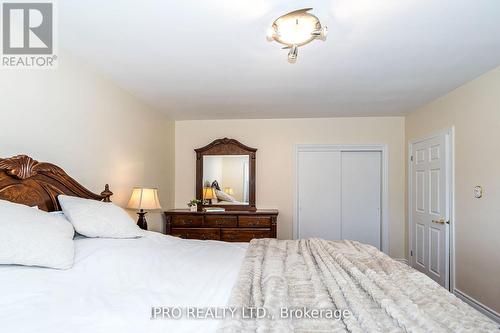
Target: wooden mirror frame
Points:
(226, 146)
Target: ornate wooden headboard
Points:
(26, 181)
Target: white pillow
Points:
(33, 237)
(94, 218)
(223, 196)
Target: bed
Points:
(117, 285)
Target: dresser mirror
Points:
(225, 175)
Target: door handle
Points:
(441, 221)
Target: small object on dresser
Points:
(213, 209)
(144, 199)
(193, 205)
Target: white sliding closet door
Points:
(361, 196)
(339, 195)
(319, 195)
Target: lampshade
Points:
(144, 198)
(208, 193)
(229, 190)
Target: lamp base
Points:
(141, 222)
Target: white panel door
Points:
(361, 196)
(318, 192)
(430, 209)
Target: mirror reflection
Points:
(226, 179)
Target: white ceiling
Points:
(209, 59)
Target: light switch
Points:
(478, 192)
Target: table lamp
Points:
(144, 199)
(208, 194)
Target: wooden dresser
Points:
(229, 226)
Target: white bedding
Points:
(115, 282)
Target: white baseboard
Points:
(402, 260)
(478, 306)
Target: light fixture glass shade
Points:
(229, 190)
(208, 193)
(296, 29)
(144, 198)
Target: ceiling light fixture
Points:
(295, 29)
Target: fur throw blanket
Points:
(288, 278)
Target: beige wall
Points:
(275, 140)
(84, 123)
(474, 111)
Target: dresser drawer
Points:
(220, 221)
(254, 221)
(196, 233)
(243, 235)
(187, 221)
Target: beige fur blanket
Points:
(379, 294)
